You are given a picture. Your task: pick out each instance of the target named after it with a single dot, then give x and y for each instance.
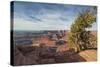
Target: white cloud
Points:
(50, 20)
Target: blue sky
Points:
(45, 16)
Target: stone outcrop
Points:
(26, 55)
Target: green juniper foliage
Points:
(80, 37)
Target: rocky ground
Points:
(42, 55)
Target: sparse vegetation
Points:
(80, 37)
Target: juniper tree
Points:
(79, 35)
